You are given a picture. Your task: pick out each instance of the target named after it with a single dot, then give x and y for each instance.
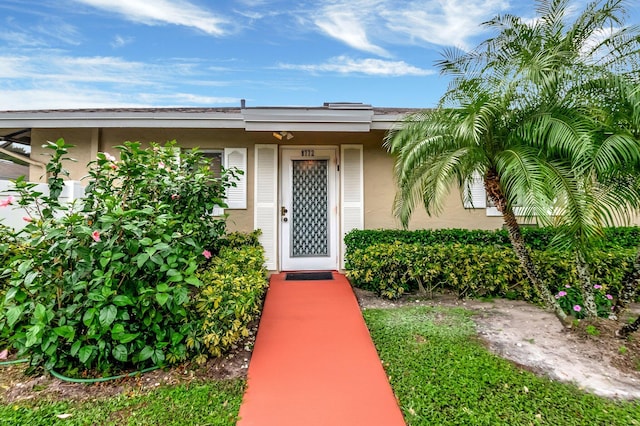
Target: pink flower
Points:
(109, 157)
(174, 196)
(567, 286)
(113, 166)
(561, 294)
(597, 286)
(577, 308)
(27, 219)
(608, 296)
(161, 165)
(7, 201)
(206, 253)
(96, 236)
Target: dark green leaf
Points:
(34, 335)
(65, 331)
(107, 315)
(120, 353)
(85, 353)
(13, 314)
(122, 300)
(145, 353)
(162, 298)
(87, 318)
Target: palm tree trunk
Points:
(629, 291)
(495, 194)
(588, 298)
(627, 329)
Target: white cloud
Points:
(348, 26)
(181, 99)
(46, 32)
(444, 23)
(55, 68)
(72, 97)
(119, 41)
(49, 79)
(368, 25)
(56, 28)
(377, 67)
(19, 38)
(177, 12)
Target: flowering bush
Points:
(109, 282)
(570, 299)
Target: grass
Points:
(442, 375)
(212, 403)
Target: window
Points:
(215, 158)
(231, 158)
(476, 198)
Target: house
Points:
(312, 174)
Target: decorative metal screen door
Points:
(308, 209)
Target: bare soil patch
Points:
(589, 355)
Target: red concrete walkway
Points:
(314, 362)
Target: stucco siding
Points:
(380, 189)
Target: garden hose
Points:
(15, 361)
(73, 380)
(101, 379)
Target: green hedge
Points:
(537, 238)
(473, 270)
(230, 299)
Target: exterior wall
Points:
(379, 193)
(379, 187)
(85, 150)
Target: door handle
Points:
(283, 211)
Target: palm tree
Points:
(451, 146)
(528, 110)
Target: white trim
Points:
(493, 211)
(308, 119)
(237, 195)
(476, 198)
(351, 192)
(345, 117)
(287, 156)
(266, 201)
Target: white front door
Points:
(308, 209)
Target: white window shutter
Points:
(476, 196)
(352, 191)
(266, 200)
(236, 158)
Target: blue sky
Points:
(167, 53)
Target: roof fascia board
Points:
(120, 119)
(386, 121)
(307, 119)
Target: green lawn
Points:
(442, 375)
(213, 403)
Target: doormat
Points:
(309, 276)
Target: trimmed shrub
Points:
(230, 299)
(474, 270)
(240, 239)
(536, 238)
